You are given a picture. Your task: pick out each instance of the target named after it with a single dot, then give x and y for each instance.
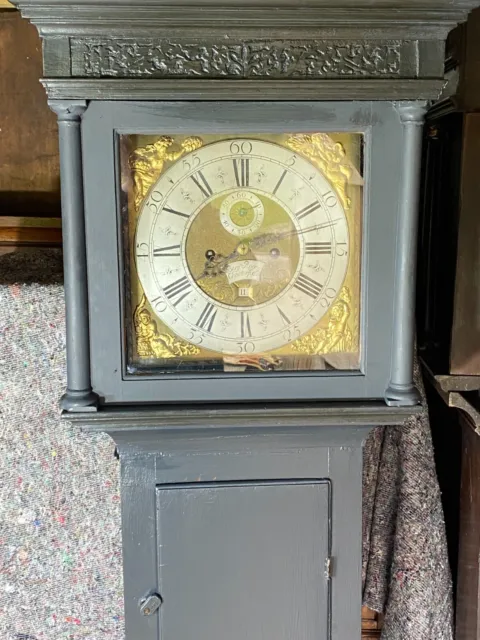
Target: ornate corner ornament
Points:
(329, 157)
(151, 343)
(147, 162)
(336, 337)
(254, 59)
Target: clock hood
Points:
(385, 49)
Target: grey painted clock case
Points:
(243, 51)
(384, 244)
(241, 519)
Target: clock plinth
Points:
(240, 193)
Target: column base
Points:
(402, 395)
(73, 401)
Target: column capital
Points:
(412, 112)
(68, 110)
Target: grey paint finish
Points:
(240, 58)
(279, 90)
(244, 560)
(79, 395)
(402, 389)
(383, 131)
(155, 38)
(294, 459)
(241, 417)
(139, 543)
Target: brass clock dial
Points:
(242, 252)
(242, 246)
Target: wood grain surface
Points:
(465, 347)
(21, 233)
(468, 586)
(29, 176)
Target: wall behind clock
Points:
(29, 164)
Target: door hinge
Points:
(329, 568)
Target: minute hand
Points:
(266, 238)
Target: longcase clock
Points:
(240, 188)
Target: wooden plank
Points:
(371, 624)
(35, 223)
(465, 347)
(29, 176)
(468, 586)
(16, 233)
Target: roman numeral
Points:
(178, 289)
(207, 317)
(246, 330)
(305, 284)
(318, 248)
(306, 211)
(176, 213)
(167, 252)
(283, 316)
(242, 172)
(280, 182)
(201, 182)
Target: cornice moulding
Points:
(325, 89)
(372, 49)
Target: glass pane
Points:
(242, 252)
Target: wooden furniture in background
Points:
(449, 272)
(371, 624)
(448, 306)
(20, 233)
(29, 164)
(468, 592)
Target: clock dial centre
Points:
(248, 264)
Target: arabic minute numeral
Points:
(292, 334)
(159, 304)
(195, 338)
(244, 147)
(154, 200)
(330, 199)
(246, 347)
(330, 294)
(191, 163)
(142, 250)
(340, 250)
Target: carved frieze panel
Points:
(109, 58)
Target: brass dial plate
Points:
(244, 251)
